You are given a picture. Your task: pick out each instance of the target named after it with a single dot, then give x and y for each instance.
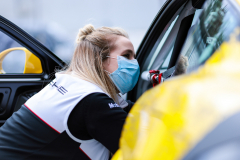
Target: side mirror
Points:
(32, 63)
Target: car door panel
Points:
(13, 92)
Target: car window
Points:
(144, 82)
(164, 66)
(16, 59)
(160, 54)
(211, 28)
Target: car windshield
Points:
(214, 26)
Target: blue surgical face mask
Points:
(127, 74)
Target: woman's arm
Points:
(128, 108)
(102, 120)
(105, 120)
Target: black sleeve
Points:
(103, 120)
(128, 108)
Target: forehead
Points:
(121, 43)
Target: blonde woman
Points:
(79, 115)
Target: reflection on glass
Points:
(6, 42)
(161, 44)
(213, 27)
(15, 59)
(14, 62)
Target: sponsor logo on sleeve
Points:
(111, 105)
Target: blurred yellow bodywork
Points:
(32, 62)
(170, 119)
(238, 1)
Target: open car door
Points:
(163, 41)
(26, 66)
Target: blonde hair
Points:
(93, 47)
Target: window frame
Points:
(48, 59)
(157, 28)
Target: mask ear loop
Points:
(111, 57)
(107, 72)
